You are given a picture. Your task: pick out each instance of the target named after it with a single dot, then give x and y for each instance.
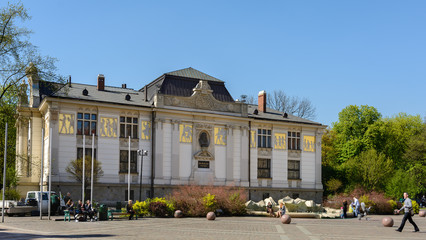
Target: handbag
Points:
(411, 212)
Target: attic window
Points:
(85, 92)
(285, 115)
(255, 112)
(128, 97)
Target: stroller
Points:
(364, 213)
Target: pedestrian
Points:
(54, 203)
(345, 208)
(356, 206)
(408, 207)
(423, 202)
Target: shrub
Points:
(10, 194)
(142, 208)
(158, 209)
(192, 200)
(416, 206)
(210, 204)
(379, 203)
(393, 204)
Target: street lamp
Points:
(141, 153)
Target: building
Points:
(193, 130)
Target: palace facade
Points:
(194, 132)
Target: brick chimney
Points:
(261, 101)
(101, 82)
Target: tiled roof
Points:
(275, 115)
(193, 73)
(109, 95)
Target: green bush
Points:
(416, 206)
(209, 202)
(142, 208)
(10, 194)
(393, 204)
(159, 207)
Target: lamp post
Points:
(141, 153)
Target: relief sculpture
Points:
(309, 143)
(108, 127)
(279, 139)
(66, 123)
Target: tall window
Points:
(124, 161)
(293, 169)
(294, 140)
(86, 123)
(88, 152)
(263, 168)
(128, 127)
(263, 138)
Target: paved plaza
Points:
(200, 228)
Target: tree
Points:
(416, 148)
(353, 122)
(75, 168)
(16, 53)
(392, 136)
(280, 101)
(370, 170)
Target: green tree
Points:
(353, 122)
(75, 168)
(391, 136)
(416, 148)
(370, 169)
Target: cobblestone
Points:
(200, 228)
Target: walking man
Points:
(407, 215)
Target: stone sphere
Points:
(178, 214)
(422, 213)
(387, 222)
(286, 219)
(211, 216)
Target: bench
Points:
(112, 213)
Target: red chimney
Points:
(261, 101)
(101, 82)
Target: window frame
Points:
(124, 161)
(293, 140)
(266, 169)
(91, 121)
(129, 124)
(88, 152)
(264, 138)
(295, 170)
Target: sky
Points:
(335, 53)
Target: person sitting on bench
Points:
(88, 210)
(130, 209)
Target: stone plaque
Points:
(203, 164)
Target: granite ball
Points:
(422, 213)
(387, 222)
(286, 219)
(211, 216)
(178, 214)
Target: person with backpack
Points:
(408, 212)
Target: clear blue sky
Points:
(336, 53)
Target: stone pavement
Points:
(199, 228)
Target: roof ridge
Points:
(190, 72)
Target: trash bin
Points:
(103, 212)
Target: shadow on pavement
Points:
(6, 235)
